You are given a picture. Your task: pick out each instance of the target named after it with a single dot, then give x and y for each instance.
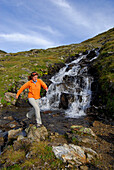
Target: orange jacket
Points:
(34, 88)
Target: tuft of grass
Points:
(40, 155)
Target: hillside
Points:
(14, 65)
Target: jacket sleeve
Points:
(25, 86)
(43, 84)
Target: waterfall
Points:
(74, 81)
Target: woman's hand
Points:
(16, 96)
(46, 89)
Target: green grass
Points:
(40, 155)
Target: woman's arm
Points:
(43, 85)
(25, 86)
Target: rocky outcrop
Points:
(37, 134)
(53, 69)
(73, 153)
(81, 135)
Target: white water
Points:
(79, 86)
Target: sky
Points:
(36, 24)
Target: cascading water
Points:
(72, 80)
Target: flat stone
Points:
(8, 118)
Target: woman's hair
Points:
(32, 75)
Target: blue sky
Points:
(34, 24)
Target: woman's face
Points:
(35, 78)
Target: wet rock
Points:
(85, 52)
(10, 97)
(47, 111)
(55, 68)
(37, 134)
(3, 136)
(70, 66)
(3, 123)
(91, 55)
(66, 100)
(13, 134)
(63, 101)
(71, 58)
(8, 123)
(13, 124)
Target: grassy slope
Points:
(16, 64)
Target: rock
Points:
(73, 153)
(8, 118)
(13, 124)
(65, 100)
(20, 144)
(70, 152)
(84, 130)
(52, 69)
(3, 123)
(97, 124)
(13, 134)
(10, 97)
(71, 58)
(20, 137)
(83, 168)
(88, 140)
(3, 136)
(90, 151)
(7, 122)
(37, 134)
(91, 55)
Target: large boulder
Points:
(65, 100)
(77, 154)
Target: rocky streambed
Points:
(61, 143)
(73, 136)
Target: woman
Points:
(34, 84)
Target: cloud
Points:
(62, 3)
(74, 16)
(48, 29)
(94, 20)
(25, 38)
